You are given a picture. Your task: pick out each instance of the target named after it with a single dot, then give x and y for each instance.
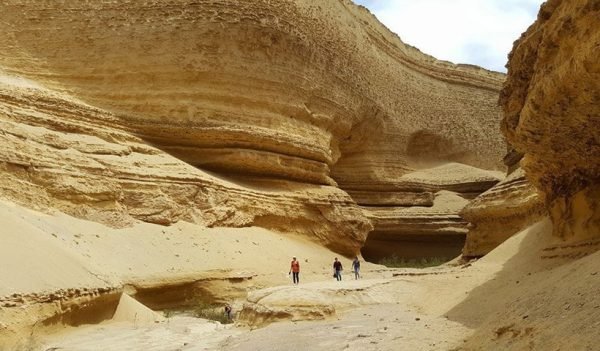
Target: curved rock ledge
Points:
(424, 220)
(61, 154)
(414, 232)
(497, 214)
(307, 95)
(303, 80)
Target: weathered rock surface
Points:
(59, 153)
(413, 232)
(509, 207)
(431, 225)
(245, 88)
(286, 100)
(311, 301)
(551, 101)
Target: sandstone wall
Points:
(285, 99)
(551, 102)
(59, 153)
(504, 210)
(432, 225)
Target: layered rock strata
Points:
(285, 99)
(416, 232)
(283, 89)
(59, 153)
(502, 211)
(431, 226)
(551, 102)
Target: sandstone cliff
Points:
(59, 153)
(290, 101)
(304, 117)
(546, 294)
(507, 208)
(430, 226)
(551, 102)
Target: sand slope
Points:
(82, 261)
(527, 293)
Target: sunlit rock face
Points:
(551, 102)
(291, 104)
(61, 154)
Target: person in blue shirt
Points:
(356, 267)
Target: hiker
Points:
(337, 267)
(356, 267)
(228, 312)
(295, 270)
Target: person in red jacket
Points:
(295, 270)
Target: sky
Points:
(479, 32)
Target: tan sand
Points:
(516, 295)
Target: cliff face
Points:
(290, 101)
(502, 211)
(551, 101)
(430, 225)
(60, 153)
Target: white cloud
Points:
(479, 32)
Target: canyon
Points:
(156, 153)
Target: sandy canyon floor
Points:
(402, 319)
(520, 296)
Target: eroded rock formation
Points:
(59, 153)
(497, 214)
(551, 101)
(430, 226)
(284, 99)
